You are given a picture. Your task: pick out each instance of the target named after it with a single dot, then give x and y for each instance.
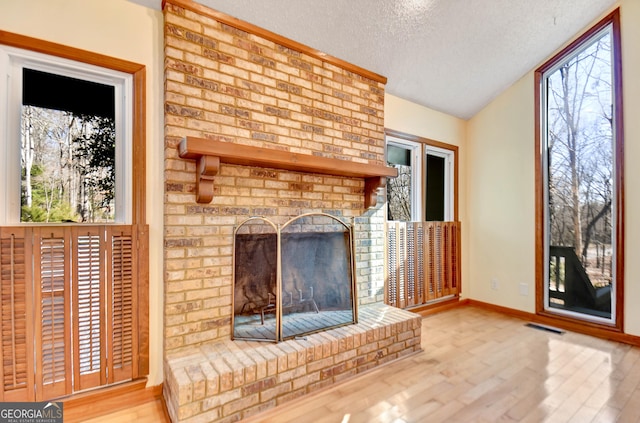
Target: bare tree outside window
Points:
(68, 166)
(580, 167)
(399, 195)
(399, 188)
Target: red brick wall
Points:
(229, 85)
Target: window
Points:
(422, 246)
(579, 175)
(75, 284)
(425, 187)
(438, 199)
(70, 159)
(403, 191)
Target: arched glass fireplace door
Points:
(292, 280)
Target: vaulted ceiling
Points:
(454, 56)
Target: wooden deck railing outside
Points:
(570, 286)
(422, 262)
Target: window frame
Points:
(137, 74)
(14, 60)
(449, 170)
(541, 242)
(423, 146)
(415, 150)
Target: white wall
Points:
(131, 32)
(500, 190)
(500, 172)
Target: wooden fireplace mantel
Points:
(208, 155)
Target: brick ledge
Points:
(237, 379)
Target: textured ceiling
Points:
(454, 56)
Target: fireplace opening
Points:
(294, 279)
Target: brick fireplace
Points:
(231, 87)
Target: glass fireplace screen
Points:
(294, 279)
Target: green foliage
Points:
(63, 213)
(33, 214)
(46, 208)
(36, 170)
(94, 158)
(70, 160)
(59, 213)
(45, 205)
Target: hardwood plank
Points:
(111, 401)
(150, 412)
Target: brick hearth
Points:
(231, 380)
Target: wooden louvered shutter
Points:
(16, 309)
(422, 262)
(52, 294)
(89, 328)
(121, 302)
(72, 300)
(410, 265)
(434, 275)
(445, 240)
(420, 257)
(105, 305)
(392, 265)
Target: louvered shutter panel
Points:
(430, 252)
(446, 259)
(392, 265)
(121, 302)
(89, 327)
(420, 260)
(52, 283)
(402, 263)
(455, 257)
(410, 290)
(423, 262)
(448, 250)
(439, 254)
(16, 312)
(69, 309)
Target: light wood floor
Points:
(151, 412)
(477, 366)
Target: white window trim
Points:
(419, 153)
(416, 173)
(12, 61)
(449, 171)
